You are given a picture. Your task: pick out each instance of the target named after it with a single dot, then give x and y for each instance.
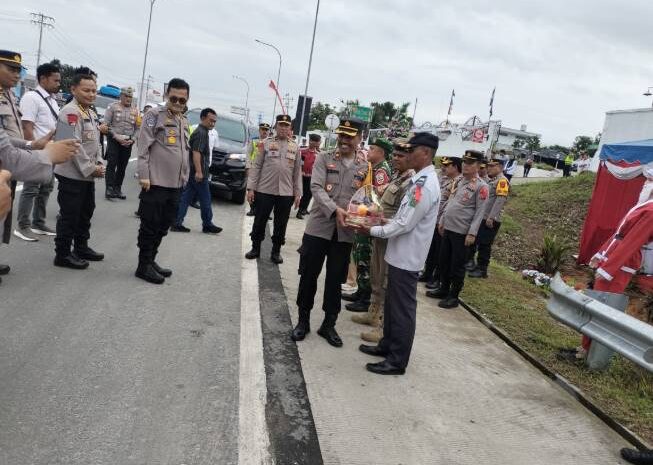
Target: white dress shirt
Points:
(214, 140)
(410, 231)
(35, 109)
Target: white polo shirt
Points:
(35, 109)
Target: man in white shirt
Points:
(39, 117)
(409, 235)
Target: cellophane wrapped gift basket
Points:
(364, 208)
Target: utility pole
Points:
(147, 46)
(42, 21)
(288, 100)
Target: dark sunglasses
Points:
(176, 100)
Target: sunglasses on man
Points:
(180, 100)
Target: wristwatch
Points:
(29, 145)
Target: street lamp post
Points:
(147, 44)
(274, 109)
(648, 93)
(308, 75)
(246, 97)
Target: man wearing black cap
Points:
(275, 183)
(499, 188)
(337, 175)
(409, 235)
(459, 226)
(263, 133)
(452, 169)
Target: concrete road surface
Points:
(97, 367)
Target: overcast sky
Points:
(558, 66)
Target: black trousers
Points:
(6, 227)
(431, 267)
(117, 161)
(158, 209)
(76, 206)
(453, 255)
(265, 203)
(307, 195)
(484, 241)
(400, 314)
(527, 169)
(313, 251)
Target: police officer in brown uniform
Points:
(76, 178)
(335, 179)
(163, 169)
(275, 183)
(458, 227)
(121, 119)
(499, 188)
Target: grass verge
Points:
(624, 391)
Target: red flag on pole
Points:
(273, 86)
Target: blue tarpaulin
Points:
(632, 152)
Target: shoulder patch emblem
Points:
(150, 120)
(503, 188)
(381, 177)
(484, 192)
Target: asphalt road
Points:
(98, 367)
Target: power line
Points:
(42, 21)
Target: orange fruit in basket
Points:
(362, 210)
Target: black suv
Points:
(227, 171)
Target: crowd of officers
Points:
(471, 194)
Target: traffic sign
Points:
(332, 121)
(364, 113)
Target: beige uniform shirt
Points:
(499, 190)
(277, 170)
(24, 165)
(394, 192)
(10, 115)
(466, 206)
(333, 184)
(163, 149)
(121, 120)
(84, 163)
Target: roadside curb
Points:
(571, 389)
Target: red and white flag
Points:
(273, 86)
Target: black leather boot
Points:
(255, 252)
(85, 252)
(303, 326)
(328, 330)
(146, 272)
(70, 261)
(479, 272)
(638, 457)
(275, 256)
(351, 297)
(361, 305)
(165, 272)
(470, 265)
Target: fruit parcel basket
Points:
(364, 208)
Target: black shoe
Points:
(470, 265)
(211, 229)
(110, 193)
(146, 272)
(276, 258)
(372, 350)
(437, 293)
(71, 261)
(165, 272)
(432, 285)
(254, 253)
(449, 302)
(251, 212)
(299, 216)
(119, 195)
(300, 331)
(351, 297)
(86, 253)
(359, 306)
(179, 228)
(477, 273)
(137, 214)
(329, 333)
(4, 269)
(422, 278)
(196, 204)
(384, 368)
(644, 457)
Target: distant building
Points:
(508, 136)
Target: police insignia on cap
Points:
(347, 123)
(329, 187)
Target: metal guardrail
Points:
(622, 333)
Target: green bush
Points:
(544, 166)
(553, 254)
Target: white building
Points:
(508, 136)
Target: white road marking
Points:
(253, 437)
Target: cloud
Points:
(558, 66)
